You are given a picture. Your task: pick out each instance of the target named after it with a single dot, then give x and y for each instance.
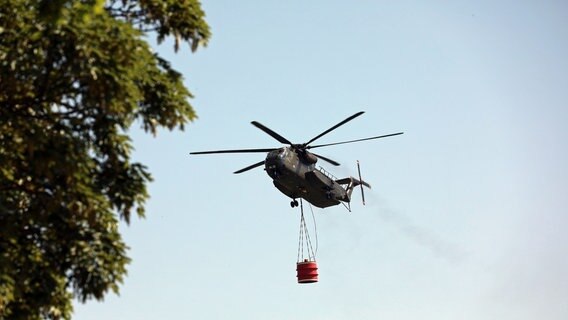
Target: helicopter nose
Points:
(273, 163)
(273, 160)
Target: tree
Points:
(75, 75)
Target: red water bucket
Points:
(307, 271)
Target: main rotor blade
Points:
(258, 164)
(335, 127)
(327, 159)
(235, 151)
(273, 134)
(351, 141)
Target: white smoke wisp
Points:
(440, 247)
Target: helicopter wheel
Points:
(294, 203)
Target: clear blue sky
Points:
(467, 217)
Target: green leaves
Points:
(182, 19)
(75, 75)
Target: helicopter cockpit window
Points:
(283, 153)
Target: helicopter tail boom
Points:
(355, 182)
(351, 183)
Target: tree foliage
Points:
(74, 76)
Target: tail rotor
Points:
(360, 179)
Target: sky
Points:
(467, 214)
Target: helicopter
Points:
(294, 173)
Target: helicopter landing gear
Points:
(294, 203)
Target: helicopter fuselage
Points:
(293, 168)
(296, 176)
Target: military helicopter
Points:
(293, 169)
